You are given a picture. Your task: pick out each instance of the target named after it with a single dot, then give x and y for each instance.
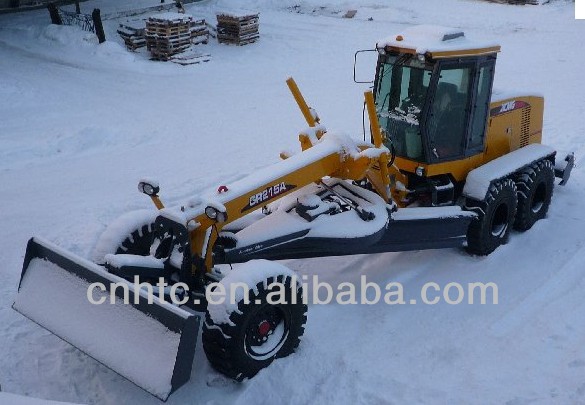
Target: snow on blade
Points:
(140, 343)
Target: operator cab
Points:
(432, 91)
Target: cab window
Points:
(400, 98)
(447, 121)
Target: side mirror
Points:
(371, 66)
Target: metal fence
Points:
(88, 22)
(84, 21)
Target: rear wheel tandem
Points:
(535, 188)
(257, 332)
(495, 219)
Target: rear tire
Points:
(495, 218)
(258, 333)
(535, 189)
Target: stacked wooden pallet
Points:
(237, 29)
(168, 34)
(199, 32)
(132, 32)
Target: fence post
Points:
(77, 8)
(99, 28)
(54, 13)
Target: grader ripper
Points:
(451, 164)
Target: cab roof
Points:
(436, 42)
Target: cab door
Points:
(457, 116)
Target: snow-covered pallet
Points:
(169, 20)
(163, 36)
(132, 32)
(237, 29)
(199, 32)
(190, 58)
(168, 34)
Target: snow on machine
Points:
(450, 164)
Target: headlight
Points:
(214, 213)
(148, 188)
(211, 212)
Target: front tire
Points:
(495, 218)
(535, 188)
(131, 233)
(257, 332)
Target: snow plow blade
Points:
(150, 344)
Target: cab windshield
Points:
(402, 86)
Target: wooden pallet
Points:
(168, 38)
(170, 18)
(203, 39)
(237, 29)
(243, 23)
(190, 58)
(134, 44)
(168, 34)
(237, 41)
(167, 31)
(238, 18)
(167, 51)
(132, 32)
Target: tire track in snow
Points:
(566, 280)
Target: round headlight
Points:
(148, 188)
(211, 212)
(221, 217)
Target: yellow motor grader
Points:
(450, 163)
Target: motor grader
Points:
(450, 163)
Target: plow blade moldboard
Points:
(151, 345)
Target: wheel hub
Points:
(264, 328)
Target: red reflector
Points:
(264, 328)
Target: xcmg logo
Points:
(507, 107)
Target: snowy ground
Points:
(82, 123)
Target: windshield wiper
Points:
(402, 59)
